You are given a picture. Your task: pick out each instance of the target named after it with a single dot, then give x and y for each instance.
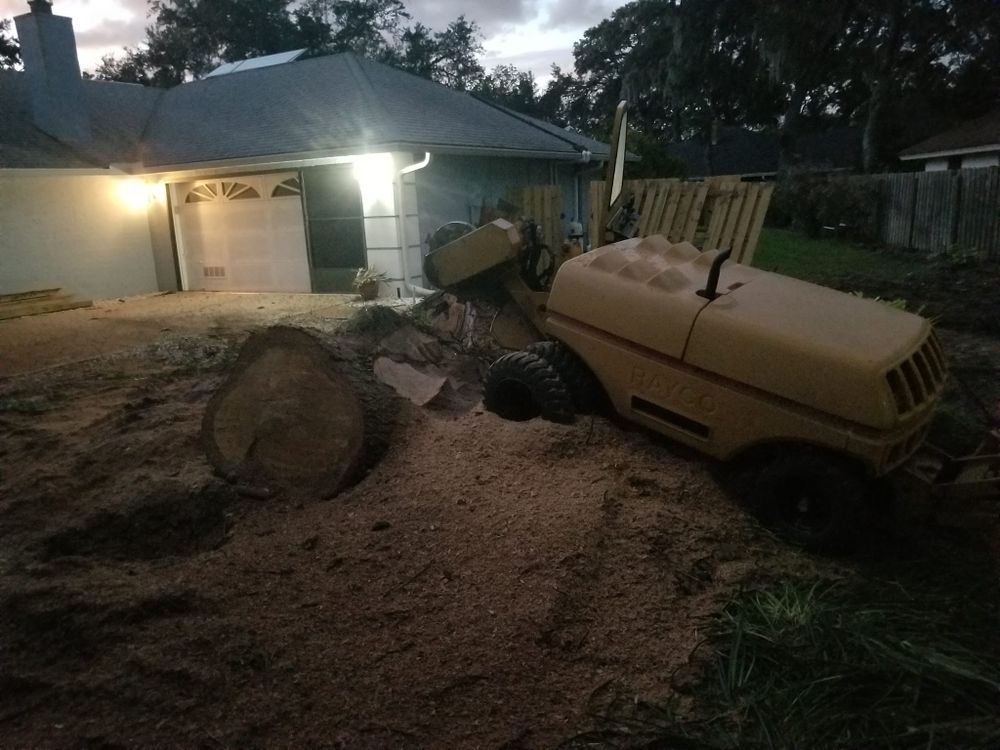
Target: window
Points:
(290, 187)
(221, 191)
(237, 191)
(202, 193)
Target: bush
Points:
(847, 205)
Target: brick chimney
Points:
(48, 50)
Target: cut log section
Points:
(299, 412)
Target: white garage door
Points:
(243, 234)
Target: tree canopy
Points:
(9, 50)
(899, 69)
(188, 38)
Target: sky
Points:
(531, 34)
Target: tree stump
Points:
(300, 412)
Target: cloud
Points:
(491, 16)
(531, 34)
(113, 33)
(579, 14)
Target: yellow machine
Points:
(826, 389)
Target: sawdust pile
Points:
(476, 588)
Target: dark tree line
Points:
(899, 69)
(9, 50)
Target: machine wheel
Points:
(522, 385)
(812, 500)
(583, 386)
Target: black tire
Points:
(812, 500)
(522, 385)
(583, 386)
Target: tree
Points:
(132, 66)
(10, 52)
(189, 38)
(798, 41)
(901, 69)
(370, 28)
(448, 57)
(513, 88)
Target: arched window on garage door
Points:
(287, 188)
(221, 191)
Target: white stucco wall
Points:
(975, 161)
(74, 232)
(935, 165)
(384, 224)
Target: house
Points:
(273, 176)
(975, 143)
(754, 154)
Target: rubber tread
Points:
(549, 394)
(829, 479)
(583, 385)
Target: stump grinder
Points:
(824, 392)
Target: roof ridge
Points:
(526, 119)
(367, 87)
(161, 95)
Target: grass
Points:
(817, 664)
(826, 261)
(906, 661)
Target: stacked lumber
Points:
(38, 301)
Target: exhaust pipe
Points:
(709, 292)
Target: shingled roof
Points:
(980, 133)
(118, 114)
(337, 104)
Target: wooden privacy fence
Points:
(719, 213)
(544, 204)
(939, 211)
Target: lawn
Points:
(826, 261)
(956, 290)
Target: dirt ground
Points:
(477, 589)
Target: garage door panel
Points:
(233, 242)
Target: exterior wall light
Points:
(137, 194)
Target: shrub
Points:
(846, 204)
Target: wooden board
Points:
(743, 225)
(35, 294)
(42, 305)
(694, 213)
(756, 225)
(716, 213)
(719, 206)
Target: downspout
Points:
(577, 204)
(404, 248)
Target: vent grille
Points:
(214, 272)
(917, 380)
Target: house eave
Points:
(318, 158)
(950, 152)
(60, 172)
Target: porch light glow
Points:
(375, 173)
(138, 194)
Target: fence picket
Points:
(938, 211)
